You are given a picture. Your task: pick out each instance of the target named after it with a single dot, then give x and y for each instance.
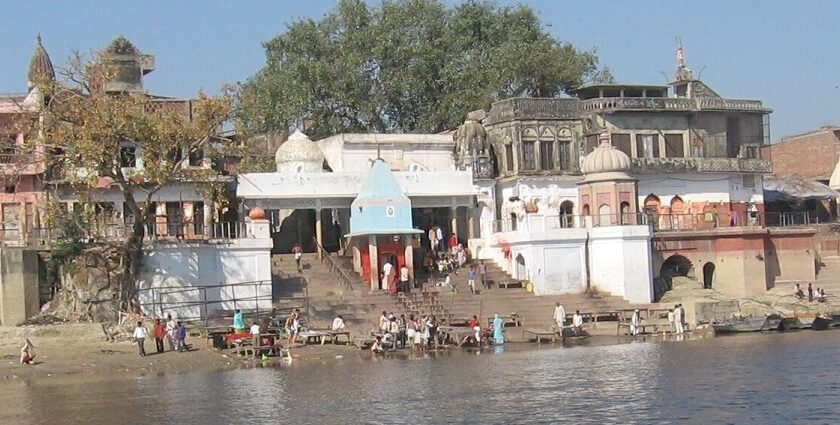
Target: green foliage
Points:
(406, 66)
(73, 231)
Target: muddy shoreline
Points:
(74, 352)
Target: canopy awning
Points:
(789, 189)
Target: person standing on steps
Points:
(404, 285)
(678, 320)
(238, 322)
(810, 292)
(559, 317)
(482, 274)
(298, 251)
(471, 278)
(387, 269)
(170, 331)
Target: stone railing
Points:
(731, 104)
(702, 165)
(638, 104)
(534, 108)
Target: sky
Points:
(781, 52)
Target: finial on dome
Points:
(40, 65)
(604, 139)
(38, 39)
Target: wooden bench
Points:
(334, 335)
(506, 284)
(541, 334)
(647, 324)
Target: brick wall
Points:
(812, 156)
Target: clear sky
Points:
(781, 52)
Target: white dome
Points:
(605, 159)
(299, 154)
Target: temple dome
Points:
(605, 159)
(40, 66)
(299, 154)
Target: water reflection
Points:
(780, 378)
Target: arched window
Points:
(566, 211)
(651, 210)
(677, 205)
(626, 215)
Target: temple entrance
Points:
(298, 227)
(708, 275)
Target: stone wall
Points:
(18, 285)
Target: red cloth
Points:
(160, 330)
(392, 284)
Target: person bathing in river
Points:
(411, 330)
(498, 330)
(376, 347)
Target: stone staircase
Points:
(317, 291)
(828, 276)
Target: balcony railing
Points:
(703, 165)
(658, 222)
(14, 235)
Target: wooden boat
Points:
(748, 324)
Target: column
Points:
(208, 218)
(409, 256)
(471, 223)
(319, 233)
(453, 213)
(374, 262)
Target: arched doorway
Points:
(521, 272)
(587, 220)
(708, 275)
(674, 266)
(566, 212)
(604, 215)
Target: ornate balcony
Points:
(701, 165)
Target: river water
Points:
(758, 378)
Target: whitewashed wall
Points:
(174, 273)
(700, 188)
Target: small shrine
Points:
(381, 229)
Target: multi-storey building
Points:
(697, 161)
(183, 209)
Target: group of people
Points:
(817, 294)
(560, 320)
(174, 332)
(423, 332)
(395, 280)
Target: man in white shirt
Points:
(678, 318)
(338, 324)
(140, 334)
(559, 316)
(255, 334)
(383, 322)
(635, 323)
(577, 323)
(387, 269)
(404, 286)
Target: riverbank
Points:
(80, 352)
